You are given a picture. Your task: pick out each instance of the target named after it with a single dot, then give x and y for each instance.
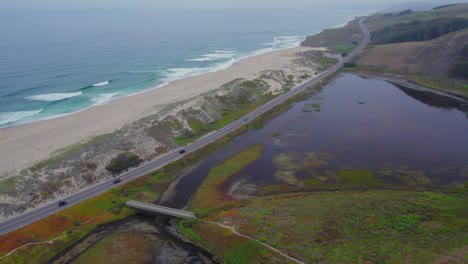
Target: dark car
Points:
(62, 203)
(116, 181)
(245, 120)
(182, 151)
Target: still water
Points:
(405, 138)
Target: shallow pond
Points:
(355, 131)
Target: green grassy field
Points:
(354, 227)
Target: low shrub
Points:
(123, 161)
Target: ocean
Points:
(55, 62)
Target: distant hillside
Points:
(434, 57)
(381, 20)
(426, 44)
(418, 5)
(418, 30)
(347, 35)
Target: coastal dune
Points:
(25, 145)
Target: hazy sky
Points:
(376, 4)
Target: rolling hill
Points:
(434, 57)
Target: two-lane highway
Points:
(38, 213)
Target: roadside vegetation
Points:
(123, 162)
(42, 240)
(343, 48)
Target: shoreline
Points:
(211, 69)
(27, 144)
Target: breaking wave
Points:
(10, 117)
(53, 96)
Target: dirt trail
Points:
(233, 230)
(50, 242)
(30, 244)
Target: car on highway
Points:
(62, 203)
(245, 120)
(116, 181)
(182, 151)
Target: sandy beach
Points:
(24, 145)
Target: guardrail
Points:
(160, 209)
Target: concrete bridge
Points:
(160, 209)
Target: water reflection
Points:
(354, 131)
(436, 100)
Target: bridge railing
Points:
(160, 209)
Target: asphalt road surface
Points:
(38, 213)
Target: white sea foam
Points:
(173, 74)
(282, 42)
(52, 96)
(219, 55)
(144, 71)
(279, 43)
(261, 51)
(216, 55)
(224, 51)
(294, 37)
(287, 41)
(222, 65)
(9, 117)
(101, 84)
(103, 98)
(199, 59)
